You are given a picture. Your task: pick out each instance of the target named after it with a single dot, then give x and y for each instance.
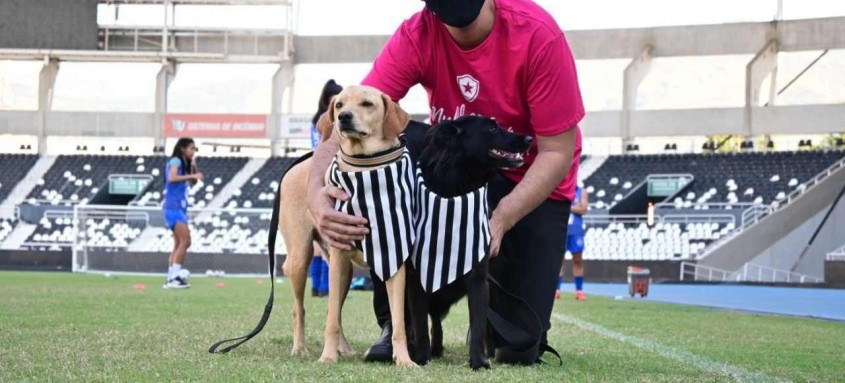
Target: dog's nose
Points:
(345, 117)
(528, 140)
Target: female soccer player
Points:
(180, 171)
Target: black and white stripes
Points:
(453, 235)
(385, 198)
(446, 236)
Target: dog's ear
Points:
(444, 134)
(395, 119)
(325, 125)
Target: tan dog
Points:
(371, 124)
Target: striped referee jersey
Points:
(453, 234)
(385, 198)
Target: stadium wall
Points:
(26, 260)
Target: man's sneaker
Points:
(382, 349)
(176, 283)
(579, 296)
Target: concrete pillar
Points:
(282, 79)
(765, 62)
(165, 77)
(46, 85)
(633, 76)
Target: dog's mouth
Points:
(511, 159)
(349, 129)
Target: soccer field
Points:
(87, 328)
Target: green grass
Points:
(84, 328)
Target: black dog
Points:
(459, 157)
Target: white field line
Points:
(736, 373)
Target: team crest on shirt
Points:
(468, 86)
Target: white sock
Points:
(170, 273)
(176, 269)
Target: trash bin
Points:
(639, 279)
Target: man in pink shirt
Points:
(505, 59)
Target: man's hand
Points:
(337, 228)
(499, 225)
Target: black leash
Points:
(271, 242)
(524, 345)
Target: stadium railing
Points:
(701, 273)
(752, 272)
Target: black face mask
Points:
(456, 13)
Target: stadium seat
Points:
(732, 177)
(260, 190)
(15, 167)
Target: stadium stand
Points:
(15, 167)
(260, 190)
(217, 171)
(77, 178)
(661, 242)
(51, 234)
(736, 177)
(6, 227)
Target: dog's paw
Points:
(479, 364)
(437, 351)
(406, 363)
(328, 358)
(421, 360)
(300, 351)
(346, 351)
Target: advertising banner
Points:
(215, 125)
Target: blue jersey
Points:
(576, 222)
(175, 193)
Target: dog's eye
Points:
(367, 104)
(338, 105)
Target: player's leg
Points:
(181, 231)
(324, 279)
(578, 267)
(172, 258)
(316, 272)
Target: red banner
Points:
(215, 125)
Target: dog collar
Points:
(381, 158)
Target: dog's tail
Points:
(271, 243)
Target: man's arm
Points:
(555, 154)
(554, 100)
(337, 228)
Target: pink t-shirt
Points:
(523, 75)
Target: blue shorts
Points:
(174, 216)
(575, 244)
